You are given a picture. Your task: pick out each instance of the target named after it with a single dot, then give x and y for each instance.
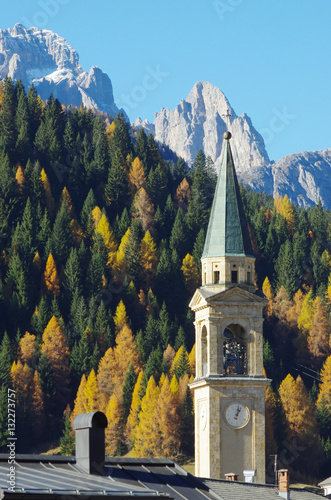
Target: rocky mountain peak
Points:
(199, 121)
(47, 60)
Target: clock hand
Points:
(238, 411)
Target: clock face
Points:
(203, 417)
(237, 415)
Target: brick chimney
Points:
(231, 476)
(90, 441)
(284, 484)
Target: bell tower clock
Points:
(229, 385)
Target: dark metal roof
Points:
(43, 475)
(235, 490)
(227, 232)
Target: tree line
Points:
(100, 247)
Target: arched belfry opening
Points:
(234, 350)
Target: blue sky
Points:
(271, 58)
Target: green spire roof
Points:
(227, 232)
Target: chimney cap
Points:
(95, 420)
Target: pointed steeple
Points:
(227, 233)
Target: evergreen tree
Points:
(128, 388)
(67, 441)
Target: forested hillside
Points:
(100, 246)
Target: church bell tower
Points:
(229, 385)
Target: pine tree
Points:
(180, 365)
(198, 248)
(178, 238)
(168, 356)
(128, 388)
(61, 239)
(3, 418)
(48, 193)
(5, 360)
(183, 195)
(67, 440)
(117, 186)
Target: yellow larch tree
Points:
(77, 232)
(144, 210)
(48, 193)
(325, 386)
(65, 196)
(191, 273)
(168, 422)
(19, 176)
(183, 195)
(307, 312)
(96, 216)
(148, 259)
(125, 353)
(37, 264)
(168, 356)
(108, 237)
(133, 418)
(51, 278)
(80, 401)
(119, 264)
(27, 347)
(268, 292)
(319, 334)
(174, 386)
(286, 210)
(146, 436)
(299, 411)
(37, 407)
(91, 393)
(54, 347)
(137, 177)
(114, 431)
(293, 313)
(110, 130)
(120, 317)
(106, 371)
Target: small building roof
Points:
(54, 476)
(227, 232)
(236, 490)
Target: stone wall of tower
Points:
(224, 265)
(214, 320)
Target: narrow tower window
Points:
(216, 277)
(248, 277)
(234, 276)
